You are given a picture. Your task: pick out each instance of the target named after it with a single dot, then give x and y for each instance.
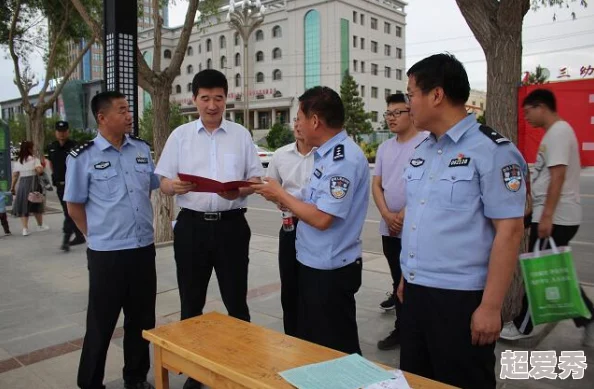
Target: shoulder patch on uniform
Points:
(132, 136)
(512, 177)
(339, 186)
(338, 152)
(75, 152)
(496, 137)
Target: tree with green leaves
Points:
(31, 28)
(157, 81)
(279, 135)
(357, 121)
(539, 76)
(176, 119)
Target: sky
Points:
(435, 26)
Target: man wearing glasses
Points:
(388, 188)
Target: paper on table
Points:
(350, 372)
(204, 184)
(396, 382)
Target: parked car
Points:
(265, 155)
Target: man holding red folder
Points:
(211, 230)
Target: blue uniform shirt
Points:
(455, 186)
(115, 187)
(339, 186)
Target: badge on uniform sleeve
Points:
(512, 177)
(339, 186)
(338, 152)
(417, 162)
(102, 165)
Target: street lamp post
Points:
(244, 19)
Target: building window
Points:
(482, 105)
(362, 19)
(373, 23)
(373, 92)
(238, 80)
(387, 28)
(189, 87)
(259, 56)
(200, 67)
(374, 116)
(208, 45)
(362, 90)
(277, 53)
(223, 62)
(199, 49)
(312, 49)
(277, 32)
(362, 66)
(355, 17)
(222, 42)
(387, 92)
(259, 35)
(236, 39)
(277, 75)
(167, 54)
(387, 50)
(209, 63)
(355, 39)
(399, 31)
(388, 72)
(399, 74)
(374, 69)
(237, 59)
(178, 89)
(474, 103)
(259, 77)
(355, 65)
(398, 53)
(362, 43)
(190, 69)
(190, 51)
(373, 47)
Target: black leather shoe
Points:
(139, 385)
(390, 342)
(77, 240)
(65, 247)
(192, 384)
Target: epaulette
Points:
(75, 152)
(496, 137)
(132, 136)
(338, 152)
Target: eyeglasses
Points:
(396, 113)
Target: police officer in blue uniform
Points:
(331, 218)
(108, 186)
(463, 225)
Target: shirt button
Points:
(439, 152)
(411, 254)
(430, 177)
(453, 177)
(412, 276)
(414, 227)
(126, 172)
(131, 190)
(422, 201)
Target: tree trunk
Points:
(164, 211)
(35, 119)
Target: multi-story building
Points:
(477, 101)
(300, 44)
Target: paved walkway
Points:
(43, 296)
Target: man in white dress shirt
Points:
(291, 165)
(211, 230)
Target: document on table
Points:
(396, 382)
(350, 372)
(204, 184)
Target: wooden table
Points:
(223, 352)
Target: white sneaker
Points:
(25, 232)
(589, 335)
(42, 227)
(510, 332)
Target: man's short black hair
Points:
(444, 71)
(104, 100)
(325, 103)
(209, 79)
(541, 97)
(395, 98)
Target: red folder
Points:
(204, 184)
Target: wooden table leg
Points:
(161, 374)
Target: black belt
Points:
(215, 216)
